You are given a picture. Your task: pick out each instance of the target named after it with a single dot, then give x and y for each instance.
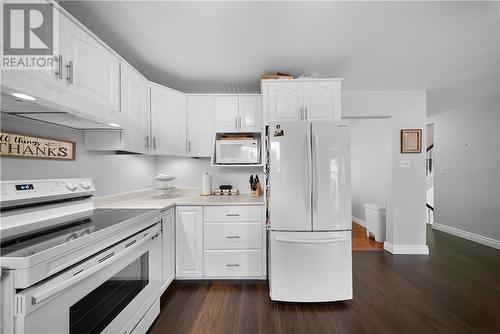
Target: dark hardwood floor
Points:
(360, 242)
(456, 289)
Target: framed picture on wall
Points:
(411, 140)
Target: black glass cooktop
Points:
(91, 222)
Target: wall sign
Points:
(16, 145)
(411, 141)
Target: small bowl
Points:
(164, 177)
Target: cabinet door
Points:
(200, 118)
(285, 101)
(189, 242)
(92, 71)
(168, 121)
(250, 113)
(226, 114)
(42, 84)
(134, 109)
(322, 101)
(168, 248)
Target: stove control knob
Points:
(71, 186)
(85, 185)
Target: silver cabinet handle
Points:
(239, 126)
(301, 113)
(146, 142)
(189, 146)
(232, 237)
(59, 70)
(236, 122)
(232, 265)
(154, 143)
(232, 214)
(305, 114)
(69, 72)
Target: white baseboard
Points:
(406, 249)
(467, 235)
(359, 221)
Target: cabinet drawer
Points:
(233, 263)
(233, 236)
(234, 213)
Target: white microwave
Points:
(236, 152)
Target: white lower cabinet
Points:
(233, 235)
(225, 241)
(233, 263)
(234, 242)
(189, 242)
(168, 247)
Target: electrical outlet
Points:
(404, 163)
(442, 171)
(150, 181)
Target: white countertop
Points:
(154, 199)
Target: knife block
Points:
(257, 192)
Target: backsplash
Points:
(113, 173)
(189, 173)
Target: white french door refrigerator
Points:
(310, 211)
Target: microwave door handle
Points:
(42, 294)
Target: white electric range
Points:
(67, 267)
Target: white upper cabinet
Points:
(91, 71)
(200, 125)
(322, 100)
(40, 83)
(134, 96)
(238, 113)
(250, 113)
(314, 99)
(134, 111)
(226, 111)
(85, 80)
(168, 121)
(285, 101)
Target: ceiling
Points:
(450, 49)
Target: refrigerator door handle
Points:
(315, 156)
(311, 241)
(308, 172)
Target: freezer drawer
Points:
(310, 266)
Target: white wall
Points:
(189, 173)
(111, 173)
(467, 145)
(406, 230)
(371, 158)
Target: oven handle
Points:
(103, 261)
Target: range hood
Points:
(45, 111)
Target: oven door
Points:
(105, 293)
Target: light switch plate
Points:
(404, 163)
(442, 171)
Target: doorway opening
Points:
(371, 180)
